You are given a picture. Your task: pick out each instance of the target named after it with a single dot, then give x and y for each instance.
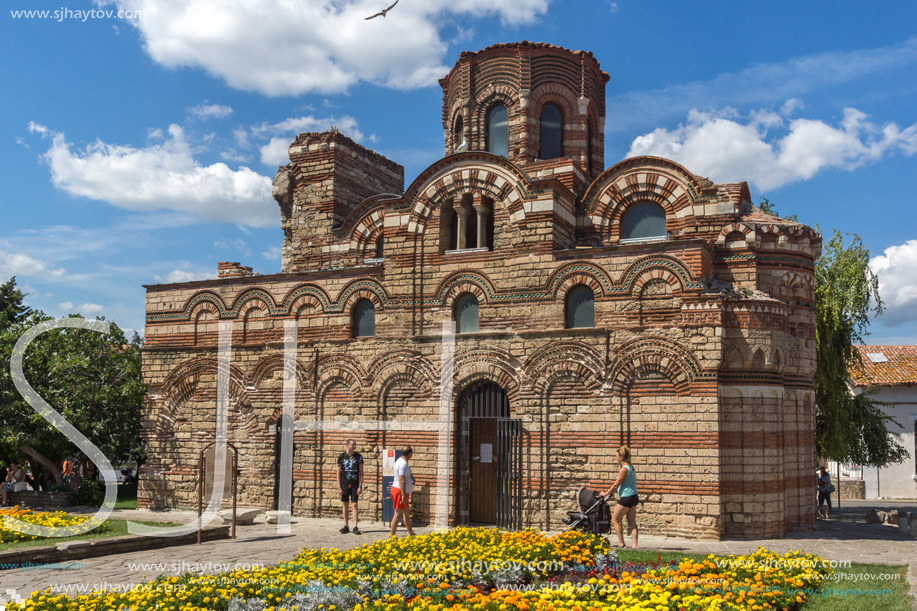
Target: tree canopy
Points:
(849, 428)
(12, 303)
(92, 379)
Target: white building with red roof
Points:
(892, 370)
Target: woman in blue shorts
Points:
(626, 484)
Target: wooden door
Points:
(483, 455)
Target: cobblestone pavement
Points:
(846, 537)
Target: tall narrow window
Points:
(364, 318)
(643, 221)
(498, 131)
(466, 314)
(380, 247)
(589, 147)
(552, 132)
(459, 138)
(580, 307)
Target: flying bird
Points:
(383, 12)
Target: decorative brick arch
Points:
(658, 267)
(180, 386)
(653, 355)
(310, 294)
(770, 232)
(401, 367)
(241, 303)
(477, 173)
(465, 281)
(566, 101)
(367, 288)
(275, 362)
(340, 368)
(746, 230)
(564, 359)
(637, 180)
(488, 97)
(491, 364)
(192, 304)
(253, 304)
(366, 232)
(588, 273)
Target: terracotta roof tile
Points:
(900, 368)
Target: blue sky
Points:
(139, 149)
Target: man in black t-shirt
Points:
(350, 481)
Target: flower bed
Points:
(475, 570)
(57, 519)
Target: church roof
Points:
(886, 366)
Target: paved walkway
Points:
(846, 537)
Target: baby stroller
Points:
(594, 515)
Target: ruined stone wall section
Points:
(328, 177)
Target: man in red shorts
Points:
(402, 488)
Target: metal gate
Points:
(487, 399)
(509, 474)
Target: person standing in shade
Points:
(402, 488)
(14, 475)
(825, 488)
(626, 484)
(350, 481)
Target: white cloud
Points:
(90, 309)
(181, 275)
(37, 128)
(897, 272)
(19, 264)
(273, 253)
(210, 111)
(162, 176)
(278, 47)
(86, 309)
(276, 151)
(719, 145)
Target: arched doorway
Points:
(489, 458)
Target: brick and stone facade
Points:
(701, 357)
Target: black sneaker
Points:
(344, 530)
(356, 531)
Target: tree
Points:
(92, 379)
(767, 207)
(849, 428)
(12, 306)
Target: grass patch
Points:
(864, 586)
(118, 528)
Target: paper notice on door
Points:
(487, 452)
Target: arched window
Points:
(642, 221)
(459, 134)
(580, 307)
(364, 318)
(465, 314)
(589, 147)
(498, 131)
(552, 132)
(380, 247)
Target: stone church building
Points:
(636, 304)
